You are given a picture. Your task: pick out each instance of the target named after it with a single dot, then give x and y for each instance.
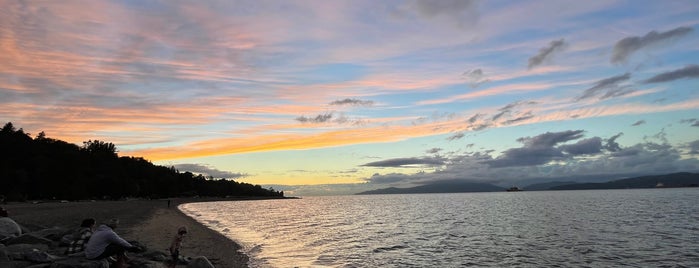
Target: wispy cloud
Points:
(608, 87)
(546, 53)
(639, 122)
(352, 102)
(407, 162)
(624, 48)
(688, 72)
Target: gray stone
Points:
(54, 233)
(156, 255)
(3, 254)
(28, 239)
(9, 227)
(40, 257)
(16, 264)
(17, 251)
(41, 265)
(200, 262)
(79, 263)
(139, 263)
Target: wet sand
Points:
(150, 222)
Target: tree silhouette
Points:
(46, 168)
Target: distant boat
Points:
(513, 189)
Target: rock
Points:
(36, 256)
(3, 254)
(79, 263)
(28, 239)
(41, 265)
(54, 234)
(156, 255)
(140, 263)
(16, 264)
(9, 227)
(200, 262)
(17, 251)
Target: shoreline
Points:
(150, 222)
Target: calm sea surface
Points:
(603, 228)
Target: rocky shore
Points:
(151, 224)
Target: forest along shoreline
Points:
(150, 223)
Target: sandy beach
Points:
(150, 222)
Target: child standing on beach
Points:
(175, 245)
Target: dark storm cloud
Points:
(542, 149)
(606, 85)
(611, 144)
(689, 71)
(627, 46)
(550, 139)
(586, 146)
(321, 118)
(404, 162)
(456, 136)
(206, 170)
(354, 102)
(638, 123)
(546, 53)
(694, 147)
(389, 178)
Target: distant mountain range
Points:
(683, 179)
(440, 187)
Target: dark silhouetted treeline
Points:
(42, 168)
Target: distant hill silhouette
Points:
(682, 179)
(42, 168)
(547, 185)
(439, 187)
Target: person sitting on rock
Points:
(105, 243)
(80, 238)
(8, 227)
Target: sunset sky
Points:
(336, 97)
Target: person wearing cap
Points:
(105, 243)
(175, 245)
(8, 227)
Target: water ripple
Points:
(630, 228)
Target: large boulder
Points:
(9, 227)
(200, 262)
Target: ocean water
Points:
(600, 228)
